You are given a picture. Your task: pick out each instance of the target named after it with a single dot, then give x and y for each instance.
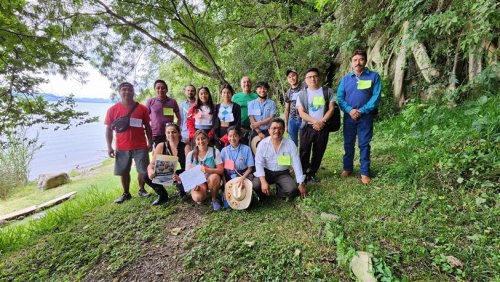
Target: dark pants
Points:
(285, 183)
(159, 189)
(254, 133)
(316, 141)
(363, 128)
(158, 139)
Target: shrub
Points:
(16, 154)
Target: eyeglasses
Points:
(312, 76)
(277, 128)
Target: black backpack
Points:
(333, 124)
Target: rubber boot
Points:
(162, 196)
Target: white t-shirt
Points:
(316, 103)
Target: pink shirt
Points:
(160, 115)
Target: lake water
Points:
(77, 147)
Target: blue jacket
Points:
(365, 100)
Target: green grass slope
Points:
(434, 197)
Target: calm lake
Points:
(77, 147)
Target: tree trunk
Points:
(424, 62)
(376, 55)
(399, 70)
(475, 63)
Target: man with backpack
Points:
(359, 96)
(316, 106)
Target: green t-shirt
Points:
(242, 99)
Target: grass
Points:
(411, 228)
(30, 195)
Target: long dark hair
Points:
(210, 101)
(196, 151)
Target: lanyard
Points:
(262, 108)
(232, 156)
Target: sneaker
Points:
(124, 197)
(143, 193)
(216, 205)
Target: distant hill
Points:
(52, 98)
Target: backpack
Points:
(333, 124)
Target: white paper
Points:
(192, 177)
(135, 122)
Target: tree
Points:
(31, 46)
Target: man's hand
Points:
(265, 188)
(303, 191)
(255, 125)
(355, 114)
(151, 174)
(262, 135)
(111, 152)
(318, 125)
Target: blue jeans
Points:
(363, 128)
(293, 129)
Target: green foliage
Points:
(446, 147)
(15, 159)
(32, 46)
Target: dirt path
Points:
(161, 261)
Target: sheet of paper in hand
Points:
(192, 177)
(164, 169)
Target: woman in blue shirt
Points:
(237, 158)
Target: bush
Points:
(446, 147)
(16, 154)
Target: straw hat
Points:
(236, 196)
(253, 144)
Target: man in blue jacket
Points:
(359, 95)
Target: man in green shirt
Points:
(242, 99)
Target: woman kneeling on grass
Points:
(238, 165)
(172, 147)
(237, 158)
(211, 165)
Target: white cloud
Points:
(96, 86)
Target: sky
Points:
(97, 86)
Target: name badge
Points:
(135, 122)
(254, 112)
(318, 101)
(284, 160)
(364, 84)
(227, 117)
(168, 111)
(229, 164)
(197, 115)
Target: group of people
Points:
(216, 137)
